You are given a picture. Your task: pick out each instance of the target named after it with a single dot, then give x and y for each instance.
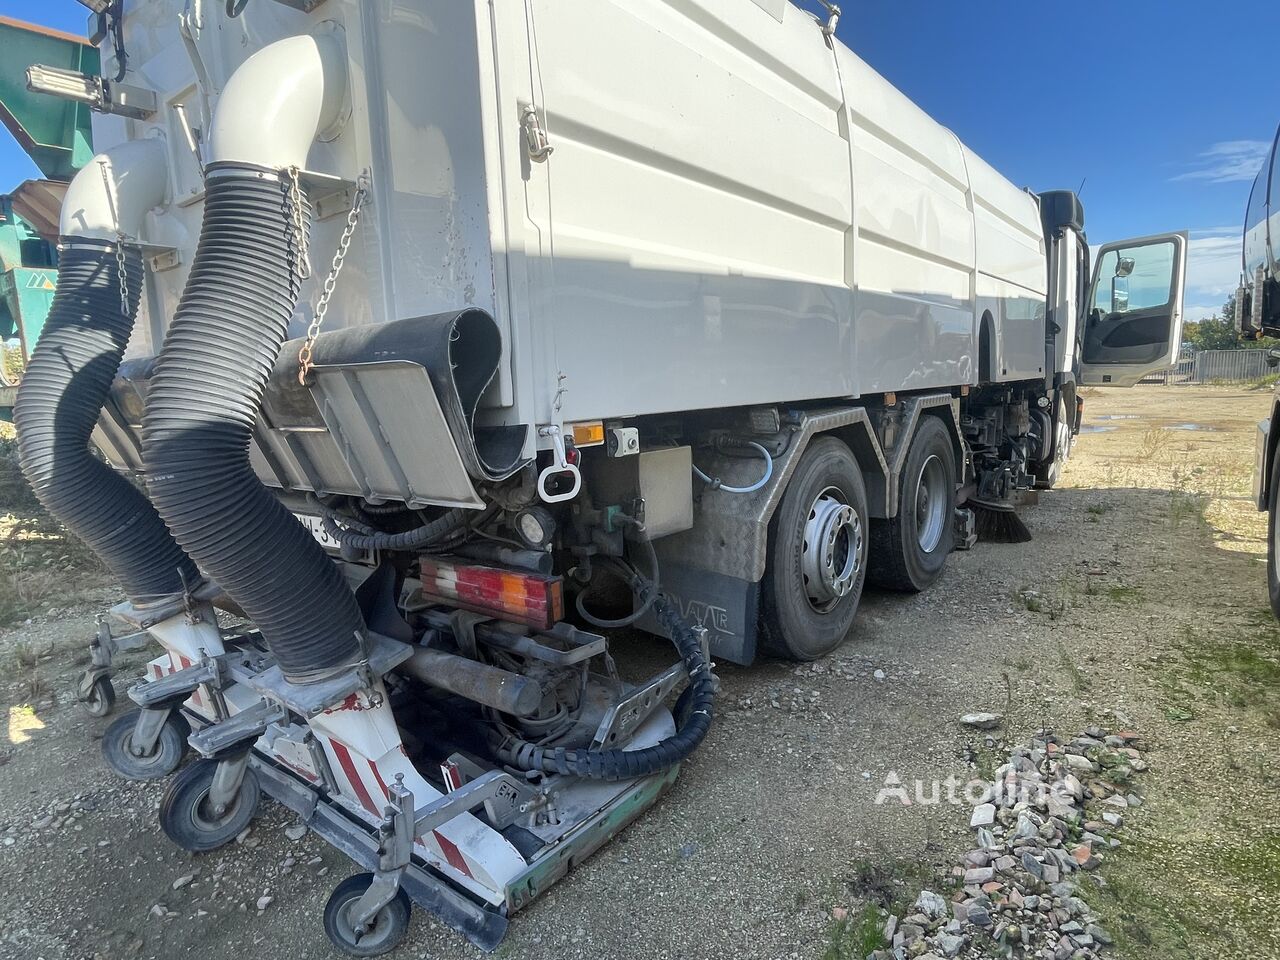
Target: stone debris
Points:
(932, 904)
(1046, 823)
(982, 721)
(296, 832)
(984, 814)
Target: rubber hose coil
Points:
(694, 715)
(59, 400)
(201, 409)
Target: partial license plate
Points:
(316, 526)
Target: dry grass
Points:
(1197, 876)
(41, 565)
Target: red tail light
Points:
(529, 598)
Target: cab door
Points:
(1133, 323)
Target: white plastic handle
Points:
(555, 470)
(561, 467)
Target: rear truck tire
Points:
(185, 814)
(909, 551)
(384, 933)
(817, 561)
(1273, 534)
(165, 757)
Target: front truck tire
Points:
(1047, 475)
(909, 551)
(817, 561)
(1273, 532)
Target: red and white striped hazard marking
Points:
(365, 781)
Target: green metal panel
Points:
(55, 133)
(26, 293)
(27, 279)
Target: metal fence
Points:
(1215, 366)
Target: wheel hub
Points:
(831, 555)
(209, 815)
(931, 504)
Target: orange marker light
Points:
(588, 434)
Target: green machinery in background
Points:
(56, 134)
(28, 278)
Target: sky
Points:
(1162, 110)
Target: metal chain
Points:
(121, 276)
(302, 258)
(326, 292)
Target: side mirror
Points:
(1124, 266)
(1120, 292)
(1273, 357)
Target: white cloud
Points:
(1213, 263)
(1229, 161)
(1197, 313)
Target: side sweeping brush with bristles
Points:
(998, 523)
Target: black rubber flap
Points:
(459, 350)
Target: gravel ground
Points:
(1141, 600)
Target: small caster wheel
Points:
(101, 699)
(385, 930)
(164, 758)
(189, 820)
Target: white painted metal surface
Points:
(273, 106)
(733, 212)
(1065, 305)
(112, 194)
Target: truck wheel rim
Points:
(1062, 444)
(831, 554)
(931, 504)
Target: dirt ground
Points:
(1141, 601)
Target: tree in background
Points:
(1219, 332)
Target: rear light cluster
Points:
(529, 598)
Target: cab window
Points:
(1140, 278)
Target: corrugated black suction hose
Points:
(693, 719)
(59, 400)
(201, 408)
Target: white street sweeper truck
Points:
(447, 338)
